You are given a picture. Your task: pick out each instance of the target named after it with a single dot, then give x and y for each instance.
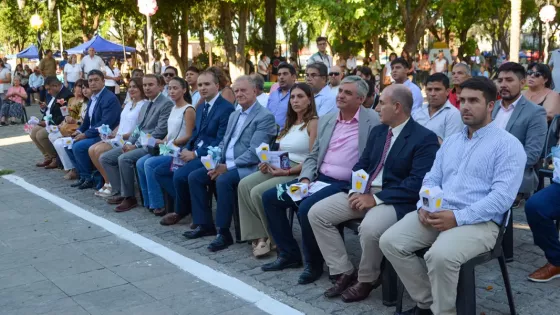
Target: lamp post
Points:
(36, 23)
(149, 8)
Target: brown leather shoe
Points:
(171, 219)
(115, 200)
(545, 273)
(359, 291)
(342, 283)
(52, 165)
(160, 212)
(127, 204)
(71, 175)
(44, 163)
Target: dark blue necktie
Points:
(205, 113)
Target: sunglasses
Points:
(334, 74)
(535, 74)
(312, 75)
(168, 75)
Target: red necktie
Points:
(382, 161)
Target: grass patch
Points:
(6, 172)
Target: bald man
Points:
(398, 154)
(335, 76)
(460, 73)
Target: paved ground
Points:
(237, 261)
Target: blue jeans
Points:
(41, 90)
(541, 210)
(150, 188)
(476, 73)
(279, 226)
(80, 157)
(71, 86)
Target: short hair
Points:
(464, 65)
(438, 77)
(247, 78)
(285, 65)
(214, 76)
(193, 69)
(545, 72)
(52, 80)
(165, 59)
(321, 39)
(371, 86)
(401, 61)
(365, 70)
(172, 68)
(97, 73)
(319, 66)
(48, 51)
(483, 84)
(362, 86)
(402, 95)
(259, 81)
(137, 70)
(158, 78)
(514, 67)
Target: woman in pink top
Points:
(13, 104)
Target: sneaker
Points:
(545, 273)
(105, 191)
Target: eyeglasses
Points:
(312, 75)
(334, 74)
(168, 75)
(535, 74)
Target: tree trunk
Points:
(463, 40)
(294, 41)
(201, 39)
(416, 21)
(368, 47)
(242, 39)
(515, 30)
(184, 40)
(225, 23)
(375, 46)
(88, 27)
(269, 29)
(172, 44)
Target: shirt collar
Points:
(512, 105)
(480, 133)
(324, 90)
(154, 100)
(248, 110)
(356, 117)
(398, 129)
(212, 101)
(96, 96)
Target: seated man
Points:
(278, 100)
(119, 163)
(211, 123)
(523, 119)
(36, 81)
(399, 73)
(480, 170)
(439, 115)
(246, 130)
(341, 138)
(103, 109)
(316, 75)
(459, 74)
(397, 156)
(58, 97)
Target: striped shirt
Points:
(481, 176)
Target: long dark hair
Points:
(291, 117)
(139, 85)
(184, 85)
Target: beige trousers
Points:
(436, 287)
(40, 137)
(324, 217)
(253, 222)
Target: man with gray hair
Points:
(316, 76)
(460, 73)
(397, 155)
(262, 97)
(341, 137)
(247, 128)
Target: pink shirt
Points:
(16, 98)
(343, 152)
(503, 115)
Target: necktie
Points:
(146, 114)
(205, 113)
(382, 161)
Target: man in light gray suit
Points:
(247, 128)
(341, 138)
(119, 162)
(523, 119)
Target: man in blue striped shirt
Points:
(480, 170)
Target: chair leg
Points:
(400, 294)
(389, 283)
(466, 291)
(507, 284)
(507, 242)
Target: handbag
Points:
(67, 129)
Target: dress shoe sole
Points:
(115, 202)
(165, 223)
(288, 266)
(543, 280)
(218, 248)
(126, 209)
(192, 237)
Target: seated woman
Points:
(179, 130)
(77, 106)
(12, 107)
(539, 80)
(297, 139)
(128, 122)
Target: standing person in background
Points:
(425, 68)
(262, 67)
(5, 80)
(249, 65)
(19, 72)
(112, 75)
(262, 97)
(440, 63)
(64, 60)
(275, 62)
(8, 65)
(48, 64)
(165, 64)
(294, 64)
(406, 56)
(191, 77)
(71, 73)
(554, 60)
(476, 61)
(91, 62)
(321, 56)
(386, 77)
(351, 63)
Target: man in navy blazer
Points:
(211, 123)
(103, 109)
(397, 156)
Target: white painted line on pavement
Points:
(14, 140)
(203, 272)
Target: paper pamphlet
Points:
(359, 181)
(208, 162)
(431, 198)
(278, 159)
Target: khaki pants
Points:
(324, 217)
(436, 287)
(251, 210)
(40, 137)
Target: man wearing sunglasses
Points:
(335, 76)
(169, 73)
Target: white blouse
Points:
(129, 117)
(176, 127)
(296, 143)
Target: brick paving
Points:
(237, 261)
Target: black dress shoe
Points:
(222, 241)
(199, 232)
(78, 183)
(310, 274)
(86, 185)
(416, 311)
(281, 263)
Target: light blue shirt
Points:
(36, 81)
(278, 106)
(481, 176)
(325, 101)
(195, 97)
(230, 158)
(445, 122)
(94, 99)
(417, 97)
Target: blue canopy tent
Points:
(30, 52)
(101, 45)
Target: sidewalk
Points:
(52, 262)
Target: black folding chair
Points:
(466, 289)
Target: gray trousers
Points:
(120, 169)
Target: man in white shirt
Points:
(335, 76)
(91, 62)
(165, 64)
(439, 115)
(112, 75)
(36, 85)
(262, 97)
(351, 63)
(262, 67)
(321, 56)
(316, 77)
(399, 72)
